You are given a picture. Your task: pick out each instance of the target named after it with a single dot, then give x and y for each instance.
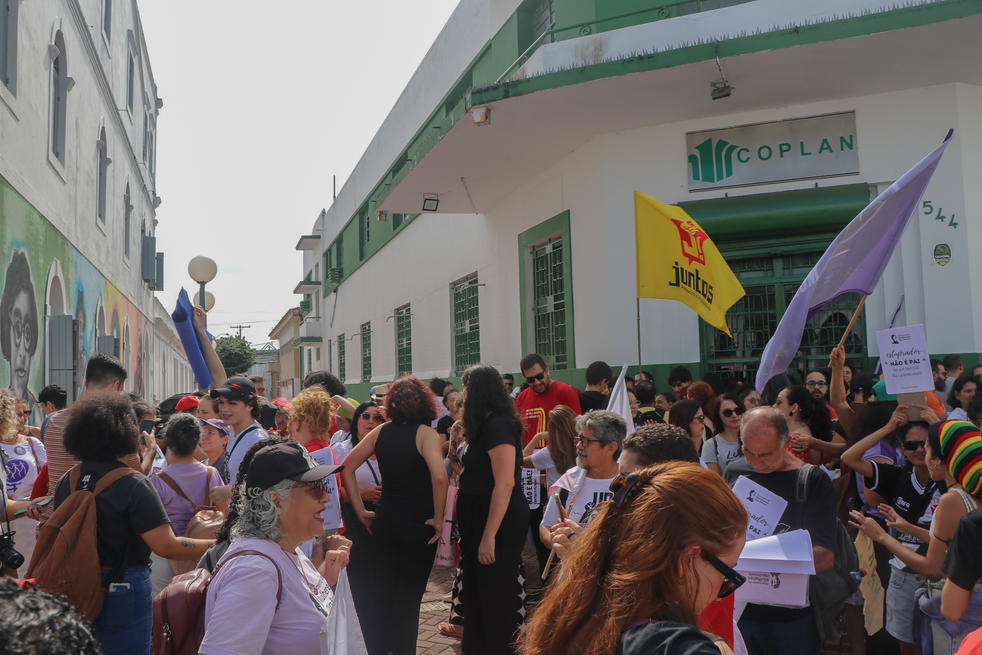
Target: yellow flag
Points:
(677, 260)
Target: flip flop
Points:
(451, 630)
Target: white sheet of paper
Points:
(765, 507)
(905, 359)
(531, 487)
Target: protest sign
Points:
(905, 360)
(531, 487)
(777, 569)
(764, 507)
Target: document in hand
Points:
(777, 569)
(764, 507)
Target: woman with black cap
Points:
(279, 508)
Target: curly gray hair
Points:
(258, 516)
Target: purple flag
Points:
(853, 263)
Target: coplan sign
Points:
(796, 149)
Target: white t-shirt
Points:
(585, 496)
(241, 617)
(237, 447)
(340, 436)
(332, 509)
(542, 460)
(727, 452)
(22, 470)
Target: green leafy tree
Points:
(236, 354)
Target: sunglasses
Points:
(728, 413)
(315, 489)
(533, 378)
(913, 445)
(622, 485)
(378, 418)
(732, 580)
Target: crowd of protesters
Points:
(572, 528)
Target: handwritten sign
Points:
(531, 487)
(905, 359)
(764, 507)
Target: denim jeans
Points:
(123, 626)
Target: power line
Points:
(240, 328)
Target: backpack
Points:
(204, 524)
(828, 590)
(66, 557)
(179, 610)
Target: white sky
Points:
(263, 103)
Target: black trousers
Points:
(493, 601)
(403, 561)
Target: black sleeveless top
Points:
(407, 486)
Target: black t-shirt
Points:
(665, 638)
(592, 400)
(478, 478)
(444, 424)
(907, 495)
(963, 561)
(125, 510)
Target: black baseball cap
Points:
(235, 388)
(284, 461)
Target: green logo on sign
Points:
(942, 254)
(712, 163)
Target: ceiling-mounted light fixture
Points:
(481, 115)
(723, 88)
(430, 202)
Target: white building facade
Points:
(78, 123)
(492, 215)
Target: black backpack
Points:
(828, 590)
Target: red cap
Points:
(186, 403)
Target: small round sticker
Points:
(942, 254)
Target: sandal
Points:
(454, 630)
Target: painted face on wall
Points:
(20, 340)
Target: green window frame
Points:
(366, 352)
(404, 340)
(364, 235)
(341, 362)
(546, 289)
(466, 322)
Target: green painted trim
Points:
(800, 212)
(306, 283)
(894, 19)
(558, 224)
(300, 341)
(305, 237)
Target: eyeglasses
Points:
(378, 418)
(699, 417)
(727, 413)
(586, 440)
(21, 330)
(533, 378)
(316, 489)
(914, 444)
(811, 384)
(732, 580)
(622, 486)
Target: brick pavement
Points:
(434, 610)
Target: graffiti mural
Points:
(45, 276)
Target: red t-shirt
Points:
(316, 444)
(718, 618)
(534, 408)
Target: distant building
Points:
(78, 142)
(492, 213)
(288, 372)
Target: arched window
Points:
(102, 175)
(60, 83)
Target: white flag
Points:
(619, 403)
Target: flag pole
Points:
(638, 306)
(852, 322)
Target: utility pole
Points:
(240, 328)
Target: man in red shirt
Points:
(542, 395)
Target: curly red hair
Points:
(408, 400)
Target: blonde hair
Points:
(313, 408)
(8, 413)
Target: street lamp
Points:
(209, 300)
(203, 270)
